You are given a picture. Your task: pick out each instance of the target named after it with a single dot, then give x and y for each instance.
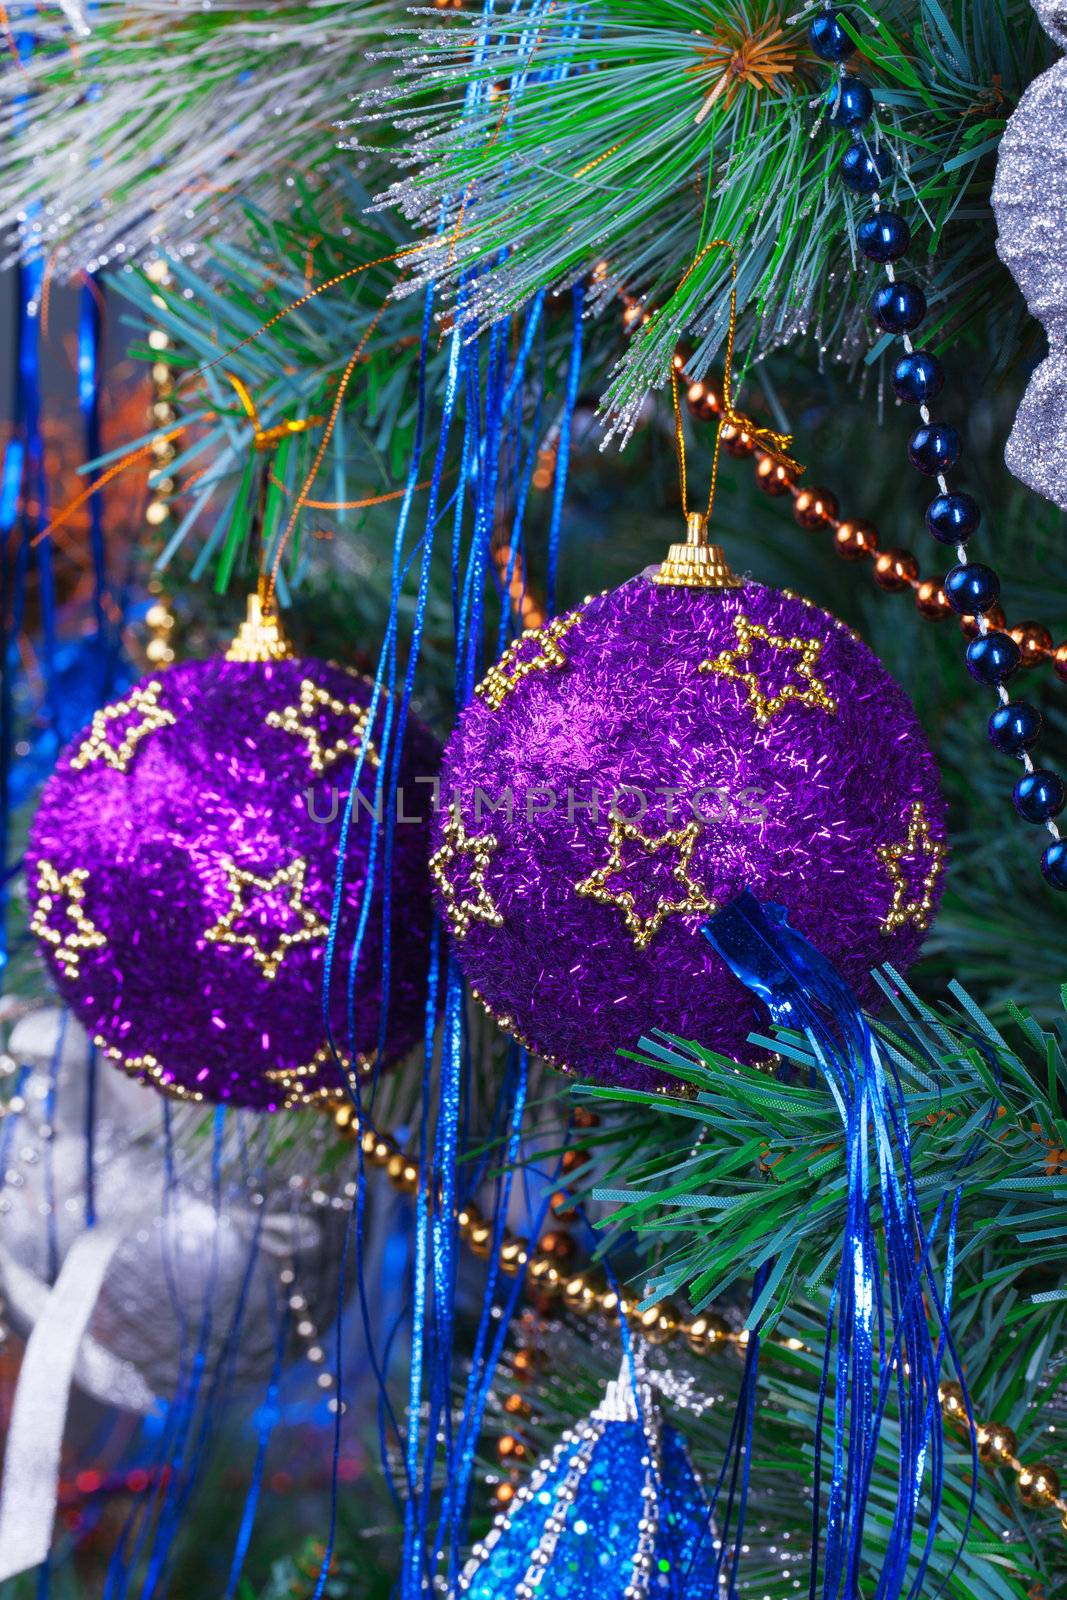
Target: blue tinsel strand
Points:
(879, 1349)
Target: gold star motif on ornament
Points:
(695, 898)
(324, 1057)
(297, 719)
(144, 702)
(147, 1069)
(477, 904)
(65, 892)
(295, 1084)
(241, 885)
(515, 664)
(763, 704)
(918, 845)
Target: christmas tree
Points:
(534, 1052)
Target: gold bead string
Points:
(513, 1446)
(895, 571)
(159, 618)
(584, 1293)
(309, 1334)
(1038, 1485)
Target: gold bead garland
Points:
(895, 571)
(661, 1324)
(159, 618)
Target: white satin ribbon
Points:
(108, 1378)
(39, 1412)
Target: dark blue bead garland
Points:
(862, 170)
(918, 377)
(828, 38)
(883, 236)
(971, 588)
(1040, 795)
(1014, 728)
(1054, 865)
(952, 518)
(850, 102)
(933, 449)
(898, 307)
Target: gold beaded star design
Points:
(143, 702)
(240, 884)
(764, 706)
(695, 898)
(65, 892)
(477, 905)
(321, 755)
(295, 1082)
(919, 845)
(147, 1069)
(516, 663)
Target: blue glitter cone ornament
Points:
(616, 1513)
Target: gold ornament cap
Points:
(697, 564)
(260, 636)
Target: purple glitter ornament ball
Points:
(629, 768)
(181, 871)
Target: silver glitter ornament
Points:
(1030, 203)
(195, 1259)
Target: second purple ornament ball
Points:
(632, 766)
(182, 869)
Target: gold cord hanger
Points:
(261, 636)
(698, 564)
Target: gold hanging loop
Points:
(698, 563)
(769, 440)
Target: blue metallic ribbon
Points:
(10, 480)
(879, 1346)
(265, 1423)
(574, 373)
(485, 387)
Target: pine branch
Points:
(1008, 1547)
(292, 370)
(601, 157)
(768, 1180)
(162, 118)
